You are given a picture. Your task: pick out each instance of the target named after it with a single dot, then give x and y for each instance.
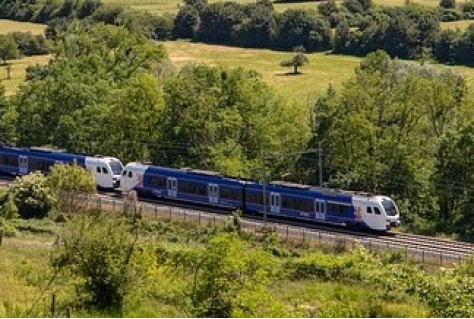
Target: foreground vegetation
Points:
(94, 263)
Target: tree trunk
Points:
(295, 69)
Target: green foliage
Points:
(453, 180)
(229, 278)
(298, 60)
(8, 48)
(447, 4)
(8, 209)
(95, 71)
(32, 196)
(106, 258)
(217, 118)
(68, 183)
(381, 132)
(325, 267)
(29, 44)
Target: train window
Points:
(336, 208)
(39, 165)
(369, 210)
(230, 193)
(377, 210)
(157, 181)
(192, 188)
(255, 197)
(9, 160)
(124, 173)
(98, 169)
(297, 203)
(130, 174)
(104, 170)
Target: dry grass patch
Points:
(172, 6)
(461, 24)
(17, 74)
(7, 26)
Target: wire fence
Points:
(304, 236)
(299, 235)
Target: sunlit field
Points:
(323, 69)
(7, 26)
(17, 72)
(172, 6)
(463, 24)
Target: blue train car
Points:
(332, 206)
(195, 186)
(19, 161)
(289, 200)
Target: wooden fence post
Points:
(69, 312)
(53, 305)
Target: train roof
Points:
(323, 190)
(57, 154)
(202, 172)
(198, 173)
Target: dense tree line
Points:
(408, 32)
(390, 129)
(404, 129)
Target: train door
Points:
(319, 209)
(172, 186)
(23, 164)
(275, 203)
(213, 193)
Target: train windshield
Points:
(116, 167)
(389, 207)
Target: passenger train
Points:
(283, 199)
(19, 161)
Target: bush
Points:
(32, 196)
(106, 256)
(324, 267)
(30, 44)
(447, 4)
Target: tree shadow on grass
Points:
(289, 74)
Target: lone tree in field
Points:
(299, 59)
(8, 49)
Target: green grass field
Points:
(322, 70)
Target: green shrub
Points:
(32, 196)
(324, 267)
(107, 257)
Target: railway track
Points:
(418, 247)
(421, 247)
